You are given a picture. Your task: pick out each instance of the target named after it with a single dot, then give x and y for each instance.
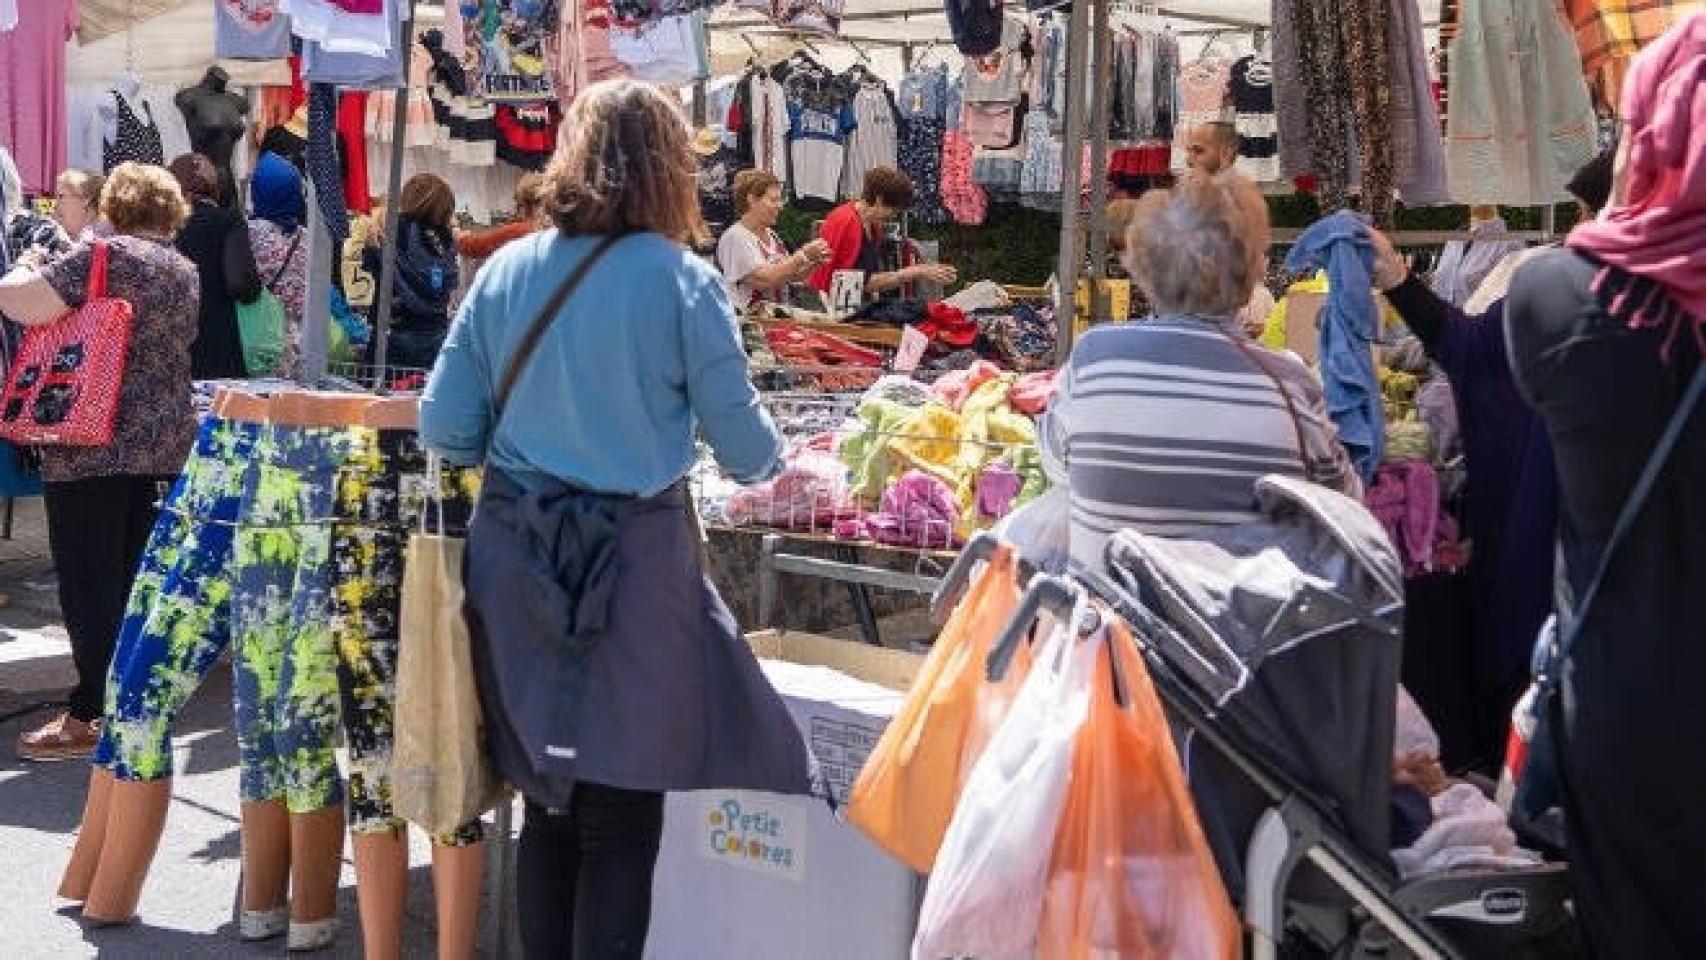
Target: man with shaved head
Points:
(1212, 147)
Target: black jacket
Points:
(216, 240)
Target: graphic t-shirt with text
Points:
(817, 148)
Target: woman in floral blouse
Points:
(281, 247)
(100, 500)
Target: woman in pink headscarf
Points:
(1605, 336)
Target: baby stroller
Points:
(1275, 647)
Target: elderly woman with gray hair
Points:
(1164, 425)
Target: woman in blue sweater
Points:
(579, 370)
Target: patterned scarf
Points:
(1653, 243)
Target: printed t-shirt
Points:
(32, 90)
(741, 251)
(250, 30)
(998, 76)
(817, 147)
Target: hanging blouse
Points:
(1042, 176)
(1253, 115)
(136, 141)
(1520, 121)
(874, 142)
(1205, 89)
(91, 123)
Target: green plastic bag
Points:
(262, 327)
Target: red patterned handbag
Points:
(63, 388)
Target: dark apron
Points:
(603, 653)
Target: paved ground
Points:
(186, 908)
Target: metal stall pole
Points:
(701, 103)
(1102, 26)
(1072, 182)
(393, 186)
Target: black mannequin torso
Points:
(216, 120)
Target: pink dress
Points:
(32, 90)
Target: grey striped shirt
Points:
(1165, 426)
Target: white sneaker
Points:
(263, 924)
(313, 935)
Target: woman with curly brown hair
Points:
(100, 500)
(609, 668)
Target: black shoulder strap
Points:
(541, 323)
(1637, 498)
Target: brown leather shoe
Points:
(62, 738)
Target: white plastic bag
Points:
(986, 892)
(1041, 530)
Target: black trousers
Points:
(97, 530)
(584, 885)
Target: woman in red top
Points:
(854, 232)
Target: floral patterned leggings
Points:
(239, 558)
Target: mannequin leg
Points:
(266, 855)
(136, 816)
(316, 857)
(457, 874)
(381, 888)
(91, 836)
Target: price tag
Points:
(846, 293)
(912, 347)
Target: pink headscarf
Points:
(1657, 233)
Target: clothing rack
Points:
(316, 345)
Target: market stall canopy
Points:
(103, 18)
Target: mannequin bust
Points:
(216, 120)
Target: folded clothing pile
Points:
(811, 493)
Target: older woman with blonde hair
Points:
(100, 500)
(582, 366)
(1164, 425)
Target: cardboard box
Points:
(755, 876)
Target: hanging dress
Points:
(134, 141)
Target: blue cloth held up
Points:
(1348, 325)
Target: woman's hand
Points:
(933, 272)
(1390, 270)
(816, 251)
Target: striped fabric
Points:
(1165, 426)
(1610, 32)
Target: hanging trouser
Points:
(386, 490)
(286, 668)
(178, 617)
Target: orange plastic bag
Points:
(1132, 875)
(906, 793)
